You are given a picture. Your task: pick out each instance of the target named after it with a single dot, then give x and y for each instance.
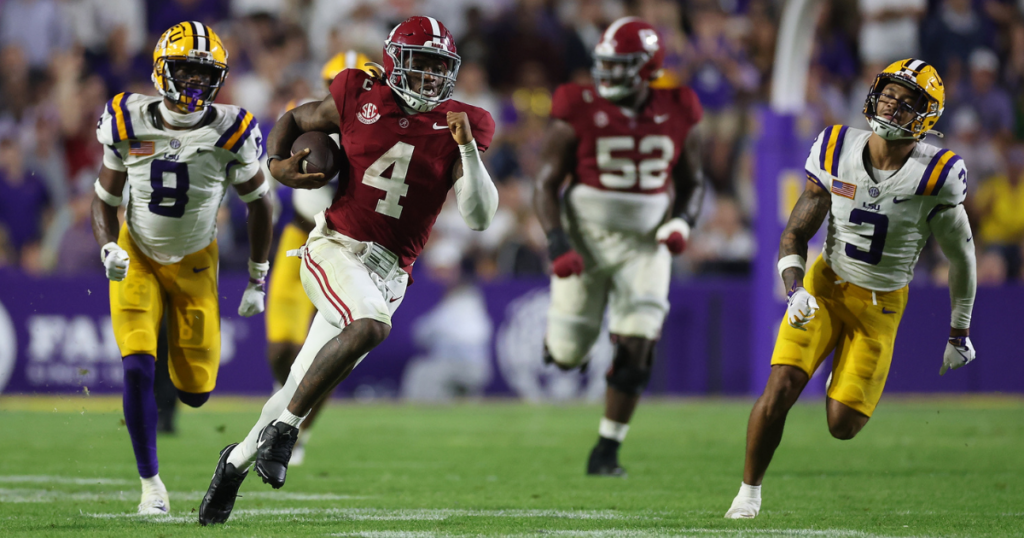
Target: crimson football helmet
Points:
(422, 50)
(628, 56)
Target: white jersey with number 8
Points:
(177, 178)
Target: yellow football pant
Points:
(189, 288)
(856, 323)
(289, 311)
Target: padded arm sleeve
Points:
(953, 232)
(474, 191)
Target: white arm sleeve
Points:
(475, 192)
(953, 232)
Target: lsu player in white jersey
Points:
(289, 311)
(885, 192)
(178, 153)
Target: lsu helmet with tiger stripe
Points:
(923, 79)
(184, 51)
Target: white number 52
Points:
(622, 173)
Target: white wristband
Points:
(107, 198)
(258, 271)
(792, 260)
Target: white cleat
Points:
(155, 502)
(743, 508)
(298, 455)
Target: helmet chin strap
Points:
(179, 119)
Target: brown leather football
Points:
(324, 155)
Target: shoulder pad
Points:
(945, 176)
(116, 122)
(567, 99)
(829, 146)
(690, 104)
(482, 124)
(236, 126)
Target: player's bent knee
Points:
(567, 355)
(844, 430)
(138, 370)
(630, 379)
(193, 399)
(371, 331)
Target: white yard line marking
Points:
(633, 533)
(622, 533)
(49, 479)
(24, 495)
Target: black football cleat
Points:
(220, 498)
(604, 459)
(275, 450)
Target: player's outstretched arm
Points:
(689, 185)
(557, 159)
(108, 190)
(805, 220)
(953, 233)
(260, 225)
(287, 168)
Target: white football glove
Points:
(674, 234)
(252, 298)
(959, 352)
(801, 308)
(115, 261)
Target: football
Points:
(324, 154)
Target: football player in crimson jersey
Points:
(626, 149)
(289, 311)
(407, 144)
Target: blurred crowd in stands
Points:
(61, 60)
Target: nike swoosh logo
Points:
(887, 311)
(393, 299)
(200, 269)
(661, 119)
(439, 127)
(896, 200)
(969, 238)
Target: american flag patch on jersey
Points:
(842, 188)
(141, 147)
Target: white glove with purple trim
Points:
(959, 353)
(801, 308)
(255, 292)
(115, 261)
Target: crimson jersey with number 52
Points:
(621, 152)
(400, 165)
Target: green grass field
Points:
(927, 467)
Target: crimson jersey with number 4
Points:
(400, 165)
(624, 161)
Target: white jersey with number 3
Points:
(177, 178)
(876, 230)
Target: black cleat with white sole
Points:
(275, 450)
(220, 498)
(604, 459)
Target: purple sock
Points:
(140, 414)
(193, 399)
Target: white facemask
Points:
(179, 119)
